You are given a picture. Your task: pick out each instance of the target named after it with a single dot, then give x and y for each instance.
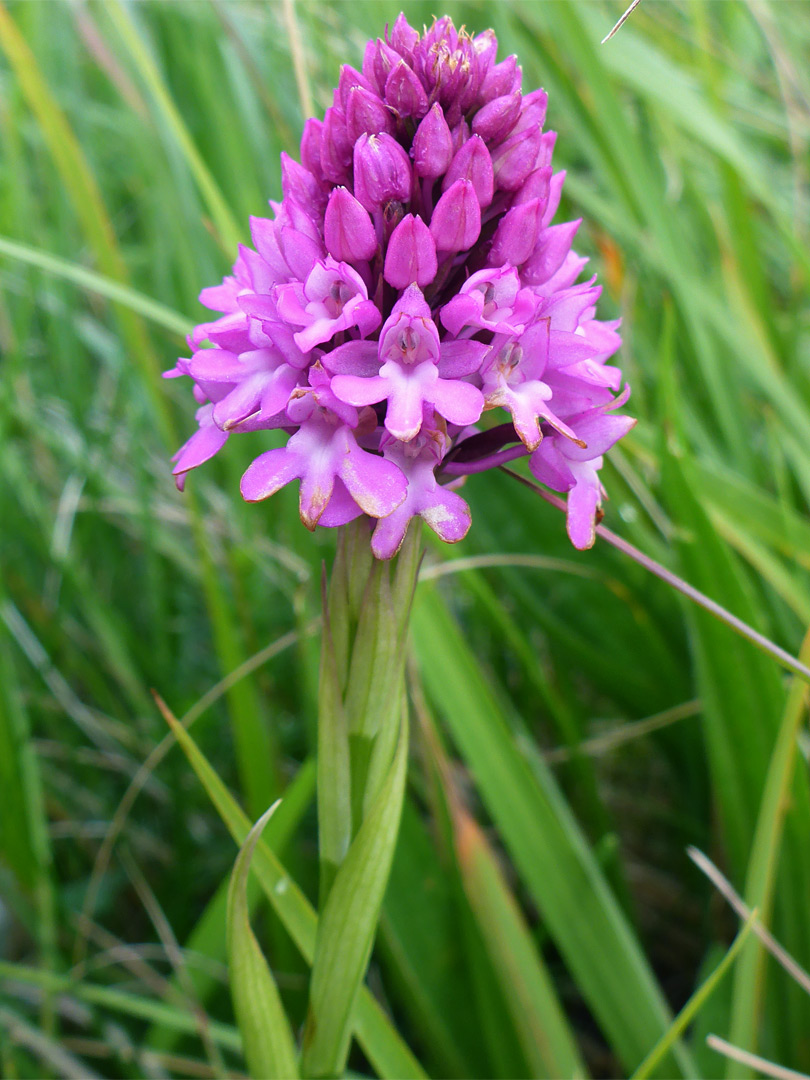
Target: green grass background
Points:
(591, 722)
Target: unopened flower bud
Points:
(311, 146)
(554, 194)
(550, 252)
(456, 221)
(460, 133)
(336, 149)
(404, 92)
(366, 114)
(496, 120)
(411, 255)
(535, 186)
(348, 230)
(299, 184)
(432, 145)
(378, 61)
(532, 112)
(403, 37)
(516, 234)
(544, 154)
(501, 79)
(516, 158)
(350, 79)
(473, 163)
(382, 171)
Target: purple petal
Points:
(459, 402)
(376, 485)
(268, 473)
(460, 358)
(583, 502)
(550, 253)
(215, 365)
(353, 358)
(340, 509)
(358, 391)
(404, 416)
(411, 254)
(456, 221)
(201, 447)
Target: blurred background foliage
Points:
(576, 725)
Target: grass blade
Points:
(543, 1031)
(549, 850)
(779, 794)
(375, 1033)
(268, 1041)
(99, 284)
(694, 1004)
(229, 232)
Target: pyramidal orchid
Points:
(409, 288)
(410, 315)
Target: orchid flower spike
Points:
(411, 314)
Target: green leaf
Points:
(209, 937)
(781, 791)
(266, 1035)
(380, 1041)
(120, 1001)
(695, 1003)
(348, 924)
(107, 287)
(546, 844)
(543, 1031)
(423, 962)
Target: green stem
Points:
(362, 762)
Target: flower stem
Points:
(361, 683)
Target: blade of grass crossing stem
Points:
(266, 1035)
(380, 1041)
(46, 1050)
(348, 924)
(547, 845)
(229, 232)
(502, 1050)
(777, 799)
(541, 1025)
(744, 699)
(208, 938)
(694, 1004)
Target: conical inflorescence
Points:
(411, 280)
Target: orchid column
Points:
(409, 315)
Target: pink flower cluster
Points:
(409, 281)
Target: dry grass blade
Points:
(754, 1061)
(603, 744)
(726, 889)
(689, 591)
(621, 21)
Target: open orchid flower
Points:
(409, 285)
